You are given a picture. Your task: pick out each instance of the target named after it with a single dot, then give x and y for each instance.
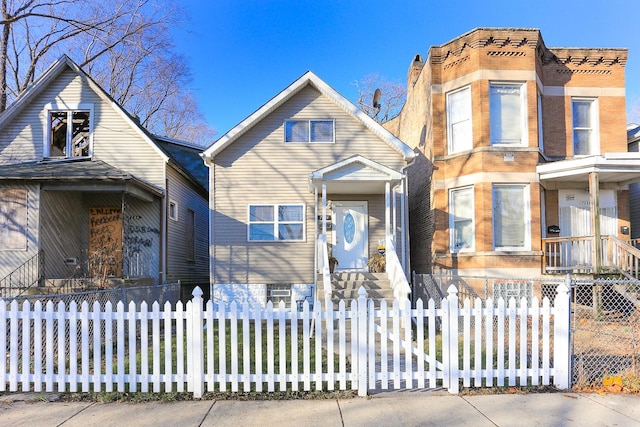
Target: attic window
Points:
(69, 133)
(309, 131)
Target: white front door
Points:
(350, 235)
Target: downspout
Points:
(208, 161)
(164, 230)
(315, 235)
(404, 223)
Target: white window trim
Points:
(276, 223)
(524, 142)
(527, 219)
(540, 124)
(52, 107)
(469, 144)
(452, 237)
(333, 124)
(176, 216)
(595, 129)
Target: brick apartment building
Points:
(516, 143)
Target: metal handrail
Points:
(28, 275)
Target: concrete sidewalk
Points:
(407, 408)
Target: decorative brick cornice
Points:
(456, 62)
(510, 40)
(515, 42)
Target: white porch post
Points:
(324, 208)
(394, 215)
(387, 211)
(594, 196)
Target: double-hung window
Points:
(585, 129)
(309, 131)
(461, 219)
(511, 217)
(68, 132)
(508, 114)
(459, 128)
(276, 223)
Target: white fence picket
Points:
(108, 345)
(97, 346)
(120, 337)
(62, 346)
(342, 344)
(37, 348)
(489, 316)
(133, 369)
(258, 347)
(73, 347)
(84, 346)
(524, 347)
(477, 342)
(26, 343)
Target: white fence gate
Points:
(200, 348)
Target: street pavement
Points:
(401, 408)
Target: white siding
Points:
(261, 168)
(114, 139)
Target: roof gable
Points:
(308, 79)
(53, 72)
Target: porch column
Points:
(324, 208)
(387, 211)
(594, 201)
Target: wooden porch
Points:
(581, 255)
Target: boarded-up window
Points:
(105, 242)
(13, 219)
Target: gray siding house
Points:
(86, 192)
(306, 176)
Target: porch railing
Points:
(395, 272)
(622, 257)
(567, 254)
(323, 266)
(28, 275)
(575, 255)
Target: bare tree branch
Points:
(393, 97)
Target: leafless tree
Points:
(125, 45)
(392, 97)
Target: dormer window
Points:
(68, 133)
(309, 131)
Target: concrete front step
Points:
(346, 285)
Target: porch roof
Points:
(80, 175)
(356, 174)
(621, 168)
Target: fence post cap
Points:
(562, 288)
(197, 292)
(362, 291)
(452, 289)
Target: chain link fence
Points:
(605, 317)
(162, 294)
(606, 330)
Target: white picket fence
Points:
(201, 347)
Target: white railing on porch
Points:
(323, 266)
(575, 255)
(395, 272)
(621, 256)
(202, 347)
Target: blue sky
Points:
(242, 53)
